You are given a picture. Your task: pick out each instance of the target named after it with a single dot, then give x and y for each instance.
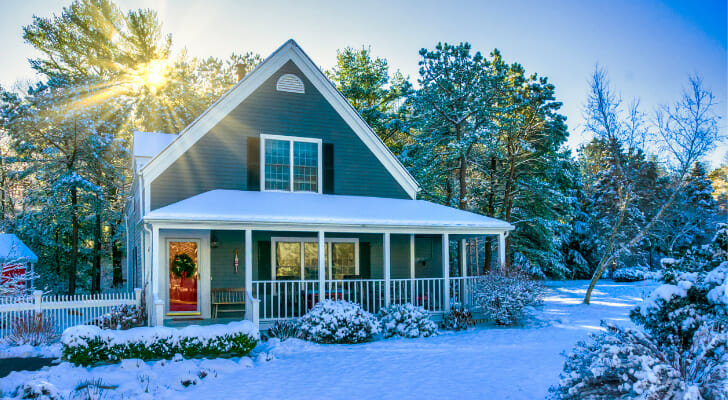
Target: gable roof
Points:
(12, 249)
(246, 86)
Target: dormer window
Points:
(290, 164)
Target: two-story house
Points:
(280, 194)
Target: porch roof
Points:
(296, 210)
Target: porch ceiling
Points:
(279, 210)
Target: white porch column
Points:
(446, 271)
(502, 251)
(387, 273)
(321, 265)
(465, 285)
(248, 261)
(412, 268)
(158, 318)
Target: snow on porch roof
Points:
(321, 209)
(13, 249)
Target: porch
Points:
(238, 267)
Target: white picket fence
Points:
(64, 311)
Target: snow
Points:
(313, 208)
(483, 362)
(13, 249)
(80, 335)
(665, 293)
(8, 350)
(149, 144)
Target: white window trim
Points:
(274, 261)
(291, 140)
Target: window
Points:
(291, 164)
(297, 258)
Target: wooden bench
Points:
(234, 297)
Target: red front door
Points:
(183, 276)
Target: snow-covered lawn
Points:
(483, 362)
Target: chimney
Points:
(240, 71)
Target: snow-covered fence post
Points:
(138, 297)
(36, 301)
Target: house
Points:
(280, 194)
(16, 263)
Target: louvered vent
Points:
(290, 83)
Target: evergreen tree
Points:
(377, 96)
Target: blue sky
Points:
(648, 47)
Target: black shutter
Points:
(328, 165)
(253, 163)
(264, 261)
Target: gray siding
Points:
(217, 160)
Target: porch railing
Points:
(292, 299)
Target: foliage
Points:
(338, 321)
(406, 320)
(33, 328)
(37, 389)
(123, 317)
(506, 298)
(374, 93)
(626, 363)
(284, 330)
(457, 320)
(631, 274)
(88, 345)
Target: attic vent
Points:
(290, 83)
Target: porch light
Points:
(213, 241)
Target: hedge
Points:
(88, 345)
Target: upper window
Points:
(291, 164)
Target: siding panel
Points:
(218, 160)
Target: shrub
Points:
(122, 317)
(457, 320)
(505, 298)
(32, 328)
(630, 274)
(406, 320)
(673, 313)
(339, 321)
(284, 330)
(625, 363)
(89, 344)
(37, 389)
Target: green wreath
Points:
(183, 266)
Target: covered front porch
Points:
(264, 269)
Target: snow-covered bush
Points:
(89, 344)
(284, 330)
(406, 320)
(631, 274)
(40, 390)
(32, 328)
(505, 298)
(123, 317)
(673, 312)
(626, 364)
(457, 320)
(338, 321)
(702, 258)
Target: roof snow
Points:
(322, 209)
(13, 249)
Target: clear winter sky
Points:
(648, 47)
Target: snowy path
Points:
(516, 363)
(481, 363)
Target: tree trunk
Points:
(116, 257)
(96, 284)
(73, 267)
(463, 187)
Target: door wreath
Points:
(183, 266)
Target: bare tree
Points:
(686, 131)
